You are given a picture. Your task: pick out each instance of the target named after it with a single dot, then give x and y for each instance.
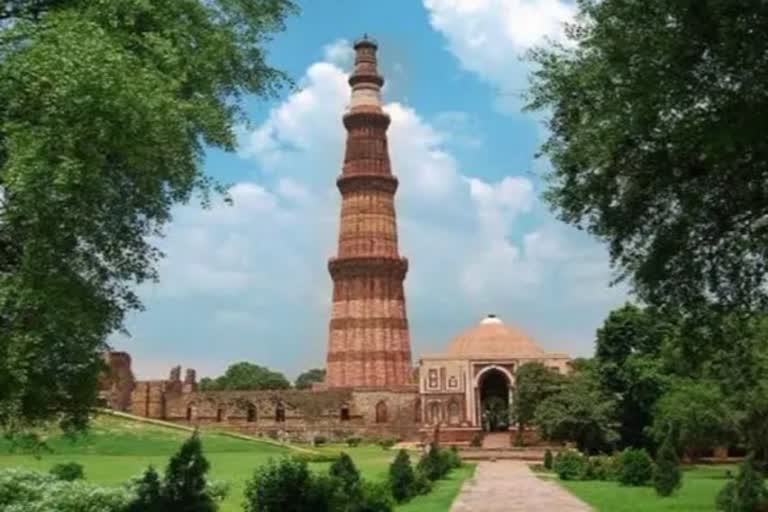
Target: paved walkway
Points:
(510, 486)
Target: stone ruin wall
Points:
(332, 413)
(117, 383)
(301, 415)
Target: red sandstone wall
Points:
(117, 383)
(306, 413)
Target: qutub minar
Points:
(369, 343)
(371, 387)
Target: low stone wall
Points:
(296, 415)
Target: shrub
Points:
(148, 493)
(69, 471)
(319, 440)
(184, 485)
(604, 467)
(453, 457)
(421, 484)
(24, 490)
(589, 469)
(402, 479)
(323, 494)
(345, 472)
(569, 465)
(353, 441)
(667, 476)
(635, 467)
(22, 486)
(745, 494)
(548, 460)
(432, 464)
(315, 457)
(388, 442)
(282, 486)
(375, 498)
(477, 440)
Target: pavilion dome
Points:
(493, 338)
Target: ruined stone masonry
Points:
(369, 342)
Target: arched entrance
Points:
(494, 391)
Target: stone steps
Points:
(510, 454)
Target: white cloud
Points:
(498, 204)
(490, 37)
(339, 53)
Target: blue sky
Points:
(250, 282)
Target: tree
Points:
(658, 145)
(747, 493)
(667, 476)
(149, 497)
(579, 413)
(698, 412)
(401, 477)
(629, 366)
(751, 411)
(245, 376)
(534, 383)
(306, 379)
(106, 108)
(346, 475)
(184, 484)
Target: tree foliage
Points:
(245, 376)
(106, 107)
(402, 479)
(149, 497)
(629, 366)
(346, 474)
(286, 484)
(699, 414)
(306, 379)
(667, 475)
(184, 484)
(745, 494)
(579, 413)
(658, 143)
(534, 382)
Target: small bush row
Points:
(406, 482)
(288, 484)
(630, 467)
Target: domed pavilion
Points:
(469, 387)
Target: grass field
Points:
(116, 449)
(700, 487)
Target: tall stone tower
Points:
(369, 342)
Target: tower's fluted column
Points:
(369, 342)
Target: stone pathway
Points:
(511, 486)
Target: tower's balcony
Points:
(368, 266)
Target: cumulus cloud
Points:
(490, 37)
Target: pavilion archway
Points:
(493, 391)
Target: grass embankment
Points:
(700, 487)
(116, 449)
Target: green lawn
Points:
(117, 449)
(700, 486)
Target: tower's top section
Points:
(365, 80)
